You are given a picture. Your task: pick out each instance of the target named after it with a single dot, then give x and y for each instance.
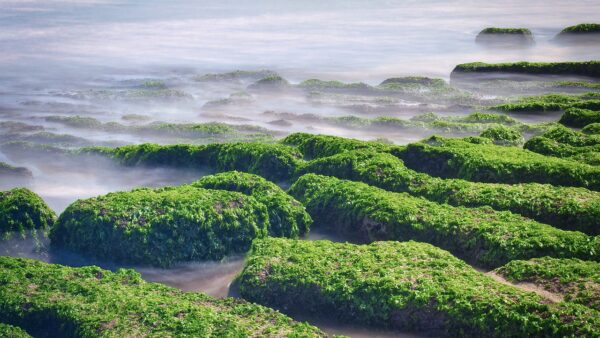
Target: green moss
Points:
(489, 238)
(273, 81)
(504, 136)
(21, 210)
(408, 286)
(578, 281)
(579, 118)
(564, 207)
(408, 82)
(588, 68)
(161, 226)
(591, 129)
(454, 158)
(10, 331)
(287, 217)
(583, 28)
(51, 300)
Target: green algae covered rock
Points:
(546, 146)
(51, 300)
(21, 210)
(408, 286)
(579, 118)
(484, 236)
(586, 68)
(162, 226)
(591, 129)
(568, 208)
(272, 161)
(316, 146)
(504, 136)
(505, 36)
(8, 171)
(287, 217)
(578, 281)
(455, 158)
(10, 331)
(584, 33)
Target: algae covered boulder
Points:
(579, 118)
(455, 158)
(592, 129)
(583, 33)
(9, 172)
(316, 146)
(271, 160)
(568, 208)
(408, 286)
(503, 136)
(21, 210)
(576, 280)
(489, 238)
(50, 300)
(10, 331)
(481, 70)
(287, 217)
(505, 37)
(162, 226)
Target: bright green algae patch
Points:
(287, 217)
(568, 208)
(21, 210)
(586, 154)
(58, 301)
(404, 285)
(551, 102)
(9, 331)
(455, 158)
(484, 236)
(578, 281)
(162, 226)
(272, 161)
(587, 68)
(579, 118)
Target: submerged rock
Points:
(505, 37)
(585, 33)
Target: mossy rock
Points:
(489, 238)
(576, 280)
(568, 208)
(317, 146)
(271, 82)
(50, 300)
(287, 217)
(9, 331)
(162, 226)
(455, 158)
(408, 286)
(503, 136)
(505, 37)
(8, 171)
(591, 129)
(579, 118)
(273, 161)
(549, 147)
(491, 70)
(22, 211)
(579, 34)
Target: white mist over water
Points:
(343, 39)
